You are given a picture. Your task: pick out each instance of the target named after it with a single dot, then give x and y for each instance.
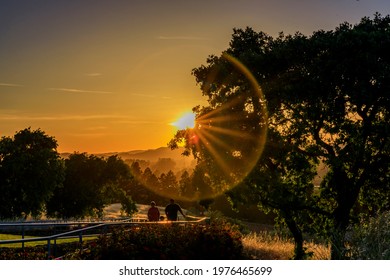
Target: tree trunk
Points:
(347, 195)
(337, 247)
(299, 251)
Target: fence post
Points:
(55, 242)
(23, 236)
(81, 240)
(48, 249)
(55, 247)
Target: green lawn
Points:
(35, 243)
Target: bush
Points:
(38, 252)
(166, 241)
(33, 253)
(371, 240)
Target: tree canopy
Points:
(90, 184)
(327, 99)
(30, 171)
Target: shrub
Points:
(371, 240)
(38, 252)
(34, 253)
(167, 241)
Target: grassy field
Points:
(264, 246)
(35, 243)
(259, 246)
(260, 243)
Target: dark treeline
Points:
(35, 180)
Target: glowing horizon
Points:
(115, 75)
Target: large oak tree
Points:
(328, 101)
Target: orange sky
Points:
(105, 76)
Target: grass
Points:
(260, 244)
(265, 246)
(36, 243)
(257, 245)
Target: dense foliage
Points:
(370, 240)
(30, 172)
(90, 184)
(35, 180)
(169, 241)
(147, 185)
(328, 102)
(38, 252)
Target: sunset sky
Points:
(104, 76)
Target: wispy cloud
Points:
(184, 38)
(144, 95)
(23, 117)
(111, 118)
(10, 85)
(94, 128)
(73, 90)
(137, 122)
(93, 74)
(151, 96)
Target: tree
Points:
(201, 182)
(169, 185)
(339, 114)
(30, 170)
(327, 102)
(90, 184)
(163, 165)
(150, 180)
(185, 186)
(135, 169)
(134, 187)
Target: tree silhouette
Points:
(90, 184)
(327, 102)
(185, 185)
(30, 171)
(169, 184)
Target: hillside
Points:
(152, 156)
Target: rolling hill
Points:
(152, 156)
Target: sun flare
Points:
(187, 120)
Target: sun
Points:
(187, 120)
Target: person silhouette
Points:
(153, 213)
(171, 210)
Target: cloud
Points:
(10, 85)
(111, 118)
(151, 96)
(137, 122)
(21, 117)
(94, 128)
(93, 74)
(144, 95)
(73, 90)
(184, 38)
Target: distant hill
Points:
(153, 156)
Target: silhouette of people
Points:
(153, 213)
(171, 211)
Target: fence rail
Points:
(80, 232)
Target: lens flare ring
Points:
(229, 137)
